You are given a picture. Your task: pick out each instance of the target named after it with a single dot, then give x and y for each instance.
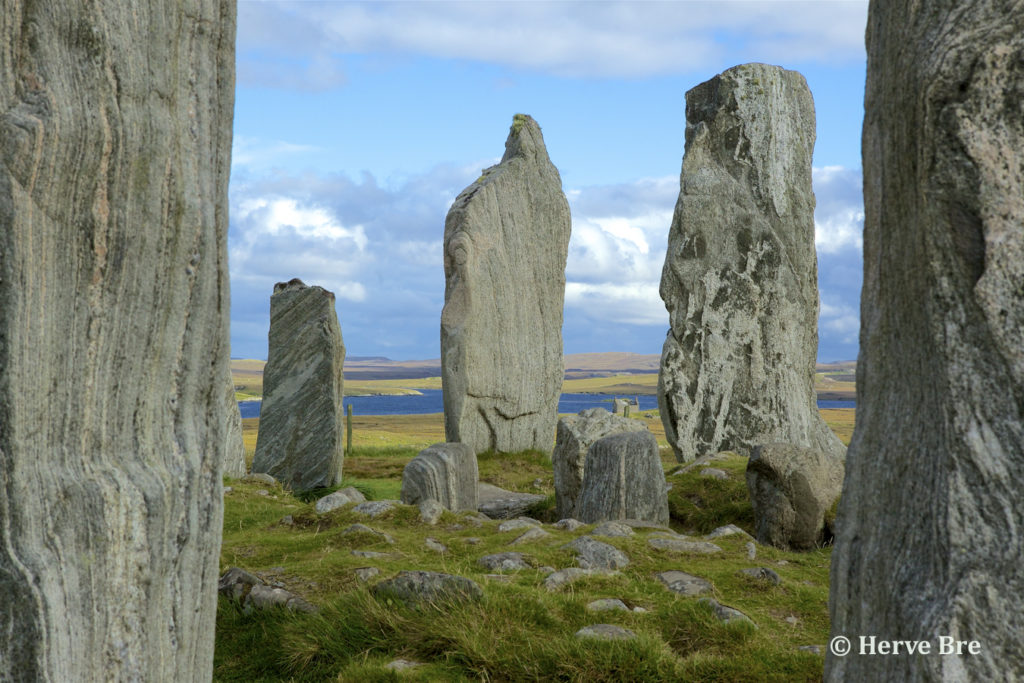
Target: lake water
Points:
(432, 402)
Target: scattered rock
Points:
(607, 605)
(435, 545)
(497, 503)
(505, 562)
(371, 555)
(445, 472)
(335, 500)
(751, 550)
(740, 277)
(568, 524)
(727, 530)
(401, 665)
(684, 584)
(605, 632)
(726, 614)
(253, 593)
(287, 520)
(564, 577)
(623, 479)
(302, 422)
(763, 574)
(575, 435)
(813, 649)
(363, 529)
(593, 554)
(418, 587)
(430, 511)
(375, 508)
(260, 478)
(714, 473)
(519, 523)
(612, 529)
(228, 489)
(791, 488)
(506, 240)
(366, 573)
(534, 534)
(474, 519)
(680, 545)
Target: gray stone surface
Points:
(430, 511)
(682, 545)
(574, 437)
(740, 276)
(684, 584)
(497, 503)
(607, 605)
(253, 593)
(374, 508)
(726, 614)
(564, 577)
(605, 632)
(445, 472)
(612, 529)
(727, 530)
(518, 523)
(506, 240)
(593, 554)
(302, 423)
(371, 534)
(417, 588)
(763, 574)
(260, 478)
(435, 545)
(531, 535)
(569, 524)
(791, 488)
(234, 450)
(506, 562)
(624, 479)
(366, 573)
(931, 525)
(333, 501)
(115, 145)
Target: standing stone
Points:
(302, 425)
(506, 239)
(931, 526)
(574, 437)
(446, 473)
(740, 275)
(624, 479)
(234, 451)
(115, 148)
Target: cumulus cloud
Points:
(839, 216)
(608, 39)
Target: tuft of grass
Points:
(701, 504)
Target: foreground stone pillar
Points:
(506, 239)
(302, 422)
(740, 276)
(931, 520)
(115, 149)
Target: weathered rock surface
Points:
(115, 144)
(605, 632)
(445, 472)
(505, 562)
(234, 450)
(763, 574)
(623, 479)
(574, 437)
(431, 511)
(791, 488)
(726, 614)
(684, 584)
(607, 605)
(740, 275)
(415, 587)
(683, 545)
(931, 527)
(506, 239)
(302, 422)
(374, 508)
(497, 503)
(593, 554)
(333, 501)
(253, 593)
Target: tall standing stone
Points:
(930, 525)
(302, 423)
(234, 451)
(740, 275)
(115, 149)
(506, 239)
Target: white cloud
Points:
(839, 216)
(254, 153)
(618, 303)
(607, 39)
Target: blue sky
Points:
(357, 124)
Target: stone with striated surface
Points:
(497, 503)
(931, 525)
(234, 451)
(740, 276)
(300, 441)
(574, 437)
(506, 239)
(624, 479)
(445, 472)
(115, 148)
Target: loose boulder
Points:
(624, 479)
(506, 239)
(931, 523)
(574, 437)
(445, 472)
(115, 149)
(300, 441)
(428, 588)
(497, 503)
(791, 488)
(740, 276)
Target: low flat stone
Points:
(607, 605)
(497, 503)
(417, 587)
(725, 614)
(401, 664)
(366, 573)
(569, 524)
(605, 632)
(534, 534)
(430, 511)
(519, 523)
(613, 529)
(505, 562)
(727, 530)
(714, 473)
(333, 501)
(260, 478)
(593, 554)
(762, 574)
(683, 583)
(253, 593)
(363, 529)
(370, 554)
(375, 508)
(563, 577)
(435, 545)
(677, 545)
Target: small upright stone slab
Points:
(624, 479)
(445, 472)
(301, 433)
(574, 437)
